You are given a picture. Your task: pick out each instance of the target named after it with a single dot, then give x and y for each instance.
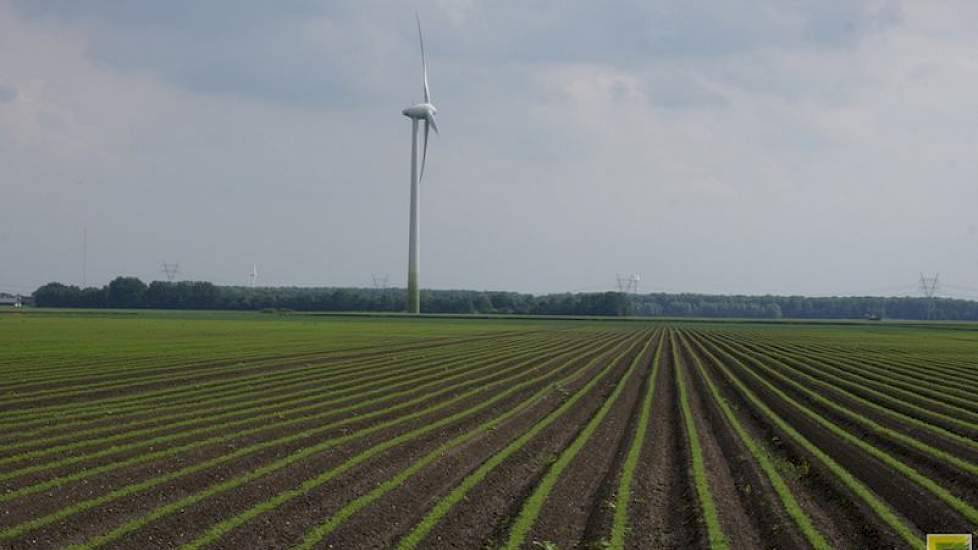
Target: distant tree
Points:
(772, 311)
(56, 295)
(126, 292)
(130, 292)
(679, 308)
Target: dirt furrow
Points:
(962, 484)
(89, 523)
(863, 526)
(49, 502)
(485, 513)
(378, 525)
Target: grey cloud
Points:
(313, 52)
(767, 147)
(7, 93)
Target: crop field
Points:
(201, 430)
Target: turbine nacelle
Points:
(421, 111)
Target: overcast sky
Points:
(813, 147)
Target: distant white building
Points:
(10, 300)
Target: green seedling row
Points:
(416, 536)
(176, 506)
(242, 452)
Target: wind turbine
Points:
(417, 113)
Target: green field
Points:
(144, 429)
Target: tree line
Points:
(130, 292)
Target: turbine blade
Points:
(431, 119)
(424, 64)
(424, 150)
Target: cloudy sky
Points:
(814, 147)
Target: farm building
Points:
(11, 300)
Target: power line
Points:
(628, 284)
(170, 270)
(929, 287)
(84, 257)
(380, 281)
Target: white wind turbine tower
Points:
(254, 274)
(417, 113)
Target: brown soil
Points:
(102, 519)
(745, 501)
(40, 504)
(582, 495)
(270, 365)
(485, 513)
(963, 485)
(663, 513)
(855, 520)
(900, 403)
(379, 524)
(268, 386)
(324, 383)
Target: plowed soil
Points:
(816, 465)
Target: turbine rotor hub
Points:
(421, 111)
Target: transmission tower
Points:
(929, 287)
(170, 270)
(380, 281)
(84, 257)
(628, 284)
